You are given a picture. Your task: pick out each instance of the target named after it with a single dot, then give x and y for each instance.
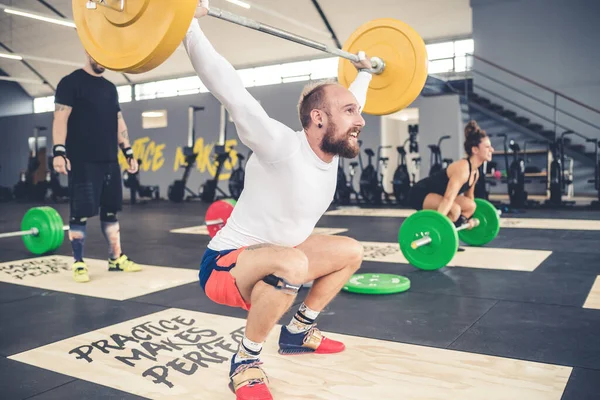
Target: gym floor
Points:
(517, 319)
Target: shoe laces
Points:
(255, 364)
(314, 331)
(123, 260)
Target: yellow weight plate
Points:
(137, 39)
(405, 56)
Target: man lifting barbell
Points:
(87, 130)
(265, 252)
(451, 190)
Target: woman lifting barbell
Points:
(451, 190)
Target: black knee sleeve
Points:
(77, 220)
(281, 284)
(108, 215)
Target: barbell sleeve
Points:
(420, 242)
(415, 244)
(465, 226)
(32, 231)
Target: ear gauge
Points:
(320, 125)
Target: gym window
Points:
(444, 57)
(43, 104)
(450, 56)
(154, 119)
(124, 93)
(46, 104)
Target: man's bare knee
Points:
(355, 251)
(292, 266)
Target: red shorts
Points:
(216, 280)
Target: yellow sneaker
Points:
(80, 272)
(123, 263)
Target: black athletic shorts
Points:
(416, 197)
(95, 185)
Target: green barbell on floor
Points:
(429, 240)
(42, 230)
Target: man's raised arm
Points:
(269, 139)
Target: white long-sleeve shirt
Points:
(287, 187)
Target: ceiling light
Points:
(239, 3)
(11, 56)
(28, 14)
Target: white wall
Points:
(553, 42)
(440, 116)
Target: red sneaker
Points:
(311, 341)
(249, 381)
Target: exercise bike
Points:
(371, 187)
(132, 182)
(401, 182)
(5, 193)
(515, 174)
(368, 183)
(342, 189)
(32, 184)
(558, 180)
(595, 204)
(176, 191)
(381, 167)
(58, 191)
(345, 187)
(236, 179)
(436, 162)
(208, 191)
(211, 186)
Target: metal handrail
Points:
(555, 107)
(534, 82)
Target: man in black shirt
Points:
(87, 131)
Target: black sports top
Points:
(438, 182)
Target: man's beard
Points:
(97, 68)
(341, 147)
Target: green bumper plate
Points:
(46, 240)
(444, 239)
(489, 225)
(377, 284)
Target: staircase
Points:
(499, 108)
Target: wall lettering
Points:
(205, 160)
(150, 152)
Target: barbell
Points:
(135, 36)
(429, 240)
(42, 230)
